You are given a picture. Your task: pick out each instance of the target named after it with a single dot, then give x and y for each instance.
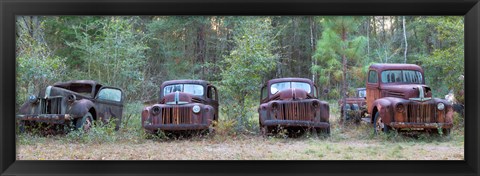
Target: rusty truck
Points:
(355, 108)
(397, 98)
(292, 103)
(183, 105)
(77, 103)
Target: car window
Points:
(211, 93)
(110, 94)
(264, 93)
(402, 76)
(277, 87)
(372, 76)
(194, 89)
(362, 93)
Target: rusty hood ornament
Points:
(421, 95)
(176, 99)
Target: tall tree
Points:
(245, 66)
(337, 45)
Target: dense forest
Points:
(236, 53)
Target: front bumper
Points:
(176, 127)
(421, 125)
(46, 118)
(296, 123)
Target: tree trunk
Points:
(368, 40)
(312, 46)
(344, 62)
(405, 38)
(200, 49)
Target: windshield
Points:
(277, 87)
(194, 89)
(362, 93)
(402, 76)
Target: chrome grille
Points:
(51, 105)
(177, 115)
(421, 113)
(295, 111)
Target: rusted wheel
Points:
(446, 132)
(378, 125)
(85, 123)
(327, 131)
(21, 127)
(211, 130)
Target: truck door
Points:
(213, 98)
(373, 90)
(109, 103)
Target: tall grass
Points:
(131, 131)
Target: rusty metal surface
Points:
(60, 104)
(420, 125)
(356, 108)
(406, 105)
(46, 118)
(293, 107)
(174, 111)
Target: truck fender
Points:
(324, 111)
(210, 113)
(80, 108)
(383, 106)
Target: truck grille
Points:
(51, 105)
(177, 115)
(421, 113)
(295, 111)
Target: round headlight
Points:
(440, 106)
(155, 110)
(315, 104)
(71, 98)
(274, 106)
(32, 99)
(399, 107)
(196, 109)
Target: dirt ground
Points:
(351, 143)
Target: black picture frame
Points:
(470, 9)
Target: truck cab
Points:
(78, 101)
(355, 107)
(292, 103)
(183, 105)
(397, 98)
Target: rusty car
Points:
(292, 103)
(397, 98)
(355, 108)
(76, 103)
(183, 105)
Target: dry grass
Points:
(350, 142)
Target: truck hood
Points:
(406, 91)
(291, 94)
(51, 91)
(180, 98)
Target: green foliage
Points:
(446, 63)
(115, 57)
(251, 58)
(37, 65)
(338, 39)
(236, 54)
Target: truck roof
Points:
(185, 81)
(381, 67)
(68, 83)
(289, 79)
